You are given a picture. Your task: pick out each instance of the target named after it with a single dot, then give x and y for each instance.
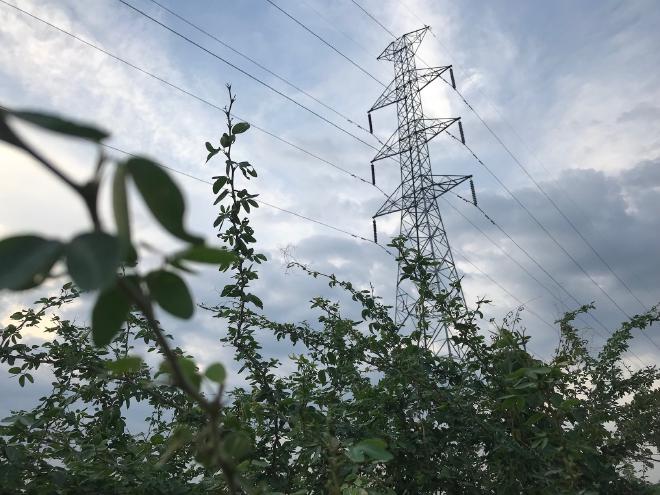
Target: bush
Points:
(366, 410)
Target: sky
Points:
(571, 89)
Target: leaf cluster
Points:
(359, 407)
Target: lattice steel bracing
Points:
(417, 195)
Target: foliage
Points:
(369, 408)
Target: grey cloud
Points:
(643, 176)
(642, 113)
(625, 237)
(620, 209)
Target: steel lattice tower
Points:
(417, 195)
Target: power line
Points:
(518, 201)
(499, 247)
(322, 16)
(412, 13)
(521, 204)
(356, 236)
(465, 101)
(555, 206)
(185, 91)
(259, 200)
(529, 256)
(170, 29)
(245, 73)
(540, 188)
(528, 174)
(373, 18)
(199, 99)
(336, 229)
(525, 252)
(215, 55)
(342, 231)
(533, 217)
(522, 267)
(576, 206)
(261, 66)
(327, 43)
(495, 282)
(553, 203)
(392, 34)
(343, 170)
(497, 178)
(529, 150)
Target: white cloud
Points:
(584, 113)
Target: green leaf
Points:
(212, 151)
(216, 372)
(188, 369)
(15, 370)
(162, 196)
(14, 454)
(93, 259)
(240, 128)
(128, 364)
(237, 444)
(221, 196)
(225, 140)
(181, 435)
(120, 208)
(171, 293)
(254, 300)
(157, 439)
(373, 449)
(25, 261)
(109, 314)
(57, 124)
(533, 372)
(23, 419)
(180, 265)
(218, 184)
(540, 443)
(206, 254)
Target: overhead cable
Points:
(541, 189)
(327, 43)
(260, 65)
(245, 73)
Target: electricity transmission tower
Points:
(417, 195)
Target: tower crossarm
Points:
(409, 41)
(433, 127)
(388, 97)
(427, 75)
(390, 148)
(398, 201)
(447, 183)
(430, 128)
(393, 203)
(424, 77)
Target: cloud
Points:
(582, 100)
(642, 113)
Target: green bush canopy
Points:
(366, 409)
